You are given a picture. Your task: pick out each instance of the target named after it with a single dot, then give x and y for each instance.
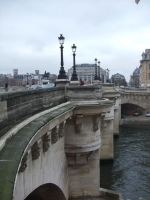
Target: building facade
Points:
(135, 78)
(145, 69)
(87, 72)
(119, 79)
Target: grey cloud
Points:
(114, 32)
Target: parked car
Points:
(137, 113)
(121, 86)
(32, 87)
(147, 114)
(49, 85)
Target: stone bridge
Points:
(51, 141)
(139, 99)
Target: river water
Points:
(129, 174)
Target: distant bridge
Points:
(138, 98)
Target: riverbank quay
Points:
(135, 121)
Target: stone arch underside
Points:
(46, 192)
(141, 103)
(130, 108)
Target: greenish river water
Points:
(129, 174)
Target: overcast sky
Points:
(116, 32)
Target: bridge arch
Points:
(141, 99)
(46, 192)
(130, 108)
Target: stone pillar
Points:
(82, 144)
(117, 114)
(107, 140)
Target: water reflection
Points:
(129, 174)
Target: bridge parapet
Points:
(15, 107)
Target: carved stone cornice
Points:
(23, 163)
(55, 135)
(35, 151)
(46, 142)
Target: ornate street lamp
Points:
(27, 79)
(102, 77)
(107, 73)
(99, 73)
(74, 74)
(62, 73)
(96, 78)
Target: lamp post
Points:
(96, 78)
(99, 73)
(102, 77)
(107, 71)
(62, 73)
(74, 74)
(27, 80)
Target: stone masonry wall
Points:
(15, 107)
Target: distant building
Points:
(51, 77)
(20, 79)
(145, 69)
(87, 71)
(135, 78)
(119, 79)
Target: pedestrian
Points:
(85, 82)
(81, 82)
(6, 87)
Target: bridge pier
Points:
(107, 145)
(117, 116)
(82, 147)
(82, 143)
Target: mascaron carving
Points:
(35, 150)
(54, 135)
(46, 142)
(62, 129)
(23, 163)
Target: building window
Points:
(149, 76)
(149, 66)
